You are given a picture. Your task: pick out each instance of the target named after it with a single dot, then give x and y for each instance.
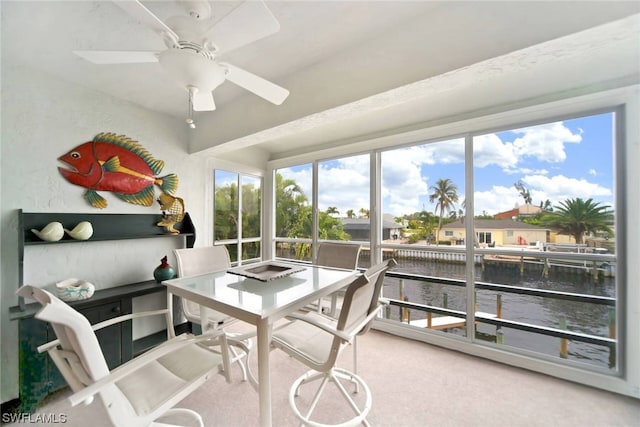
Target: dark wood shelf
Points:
(104, 239)
(105, 226)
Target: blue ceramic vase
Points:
(164, 271)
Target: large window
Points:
(338, 211)
(237, 208)
(503, 239)
(423, 189)
(343, 199)
(293, 212)
(546, 193)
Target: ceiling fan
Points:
(193, 43)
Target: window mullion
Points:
(469, 243)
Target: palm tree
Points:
(350, 213)
(576, 217)
(332, 210)
(524, 192)
(290, 206)
(445, 194)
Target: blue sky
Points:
(555, 161)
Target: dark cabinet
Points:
(112, 337)
(38, 375)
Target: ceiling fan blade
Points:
(146, 17)
(261, 87)
(250, 21)
(203, 101)
(117, 56)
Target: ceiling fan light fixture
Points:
(189, 68)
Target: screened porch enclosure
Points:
(483, 227)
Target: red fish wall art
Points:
(117, 164)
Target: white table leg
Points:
(171, 333)
(264, 380)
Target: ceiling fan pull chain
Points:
(189, 120)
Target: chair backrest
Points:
(338, 255)
(202, 260)
(362, 297)
(82, 362)
(377, 272)
(78, 355)
(195, 261)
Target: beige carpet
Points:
(413, 384)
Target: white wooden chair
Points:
(337, 255)
(140, 391)
(202, 260)
(317, 340)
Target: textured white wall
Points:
(43, 118)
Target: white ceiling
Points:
(353, 68)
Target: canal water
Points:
(586, 318)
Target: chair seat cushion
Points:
(160, 380)
(305, 340)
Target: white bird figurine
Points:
(82, 231)
(52, 232)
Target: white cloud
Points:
(403, 182)
(490, 150)
(556, 189)
(344, 184)
(302, 177)
(559, 188)
(498, 199)
(525, 171)
(402, 187)
(546, 143)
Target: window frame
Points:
(240, 170)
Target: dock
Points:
(446, 322)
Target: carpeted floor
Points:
(413, 384)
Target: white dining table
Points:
(260, 303)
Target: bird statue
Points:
(82, 231)
(52, 232)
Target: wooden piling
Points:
(401, 297)
(612, 335)
(406, 315)
(564, 345)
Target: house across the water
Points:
(499, 232)
(359, 228)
